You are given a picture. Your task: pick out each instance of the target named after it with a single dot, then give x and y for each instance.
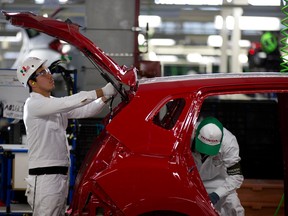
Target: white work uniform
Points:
(46, 120)
(213, 172)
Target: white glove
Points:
(109, 90)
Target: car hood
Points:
(69, 32)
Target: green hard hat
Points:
(269, 42)
(209, 135)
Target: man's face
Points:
(44, 79)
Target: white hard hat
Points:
(27, 68)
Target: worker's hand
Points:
(109, 90)
(214, 197)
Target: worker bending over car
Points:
(216, 154)
(46, 119)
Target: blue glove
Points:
(214, 197)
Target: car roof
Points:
(216, 82)
(266, 75)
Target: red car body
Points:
(141, 163)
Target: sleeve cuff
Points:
(93, 94)
(87, 96)
(220, 192)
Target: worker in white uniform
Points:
(46, 118)
(216, 154)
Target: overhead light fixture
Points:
(39, 1)
(152, 56)
(162, 42)
(218, 22)
(216, 41)
(198, 58)
(153, 21)
(265, 2)
(244, 43)
(189, 2)
(260, 23)
(243, 58)
(210, 60)
(250, 23)
(167, 58)
(43, 1)
(194, 57)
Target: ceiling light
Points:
(244, 43)
(265, 2)
(153, 21)
(167, 58)
(39, 1)
(260, 23)
(189, 2)
(250, 23)
(194, 57)
(214, 41)
(162, 42)
(243, 58)
(218, 23)
(152, 56)
(210, 60)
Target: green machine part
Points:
(283, 41)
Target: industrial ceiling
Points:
(188, 25)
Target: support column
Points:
(109, 25)
(225, 38)
(236, 66)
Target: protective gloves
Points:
(214, 197)
(109, 90)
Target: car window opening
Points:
(169, 113)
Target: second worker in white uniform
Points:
(216, 154)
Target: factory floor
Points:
(18, 204)
(262, 197)
(23, 209)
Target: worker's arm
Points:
(231, 161)
(89, 110)
(49, 105)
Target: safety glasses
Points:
(43, 72)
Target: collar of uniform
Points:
(37, 95)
